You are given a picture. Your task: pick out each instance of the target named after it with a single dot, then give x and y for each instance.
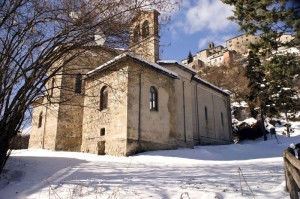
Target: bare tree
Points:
(229, 78)
(36, 35)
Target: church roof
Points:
(133, 56)
(179, 64)
(194, 77)
(206, 83)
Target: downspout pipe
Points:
(44, 132)
(140, 107)
(197, 114)
(184, 122)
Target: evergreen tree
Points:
(257, 87)
(272, 70)
(190, 58)
(269, 18)
(283, 95)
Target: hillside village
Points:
(226, 67)
(236, 50)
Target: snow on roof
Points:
(181, 65)
(210, 85)
(184, 67)
(135, 57)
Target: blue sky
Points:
(194, 25)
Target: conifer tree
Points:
(257, 86)
(271, 20)
(190, 58)
(283, 94)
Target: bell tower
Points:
(144, 38)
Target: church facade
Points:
(122, 103)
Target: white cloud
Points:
(206, 15)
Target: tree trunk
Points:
(287, 124)
(263, 122)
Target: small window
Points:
(222, 119)
(102, 131)
(103, 98)
(145, 29)
(206, 117)
(78, 83)
(40, 120)
(153, 99)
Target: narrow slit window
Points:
(102, 131)
(136, 34)
(78, 83)
(40, 120)
(103, 98)
(222, 119)
(145, 29)
(206, 117)
(153, 99)
(52, 87)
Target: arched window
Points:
(78, 83)
(40, 119)
(153, 99)
(145, 29)
(136, 34)
(103, 98)
(206, 117)
(222, 119)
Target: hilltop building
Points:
(120, 103)
(236, 48)
(212, 56)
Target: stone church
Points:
(109, 101)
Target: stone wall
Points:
(36, 138)
(193, 126)
(44, 136)
(184, 107)
(241, 42)
(113, 119)
(20, 141)
(147, 45)
(62, 112)
(150, 129)
(211, 129)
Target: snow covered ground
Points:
(250, 169)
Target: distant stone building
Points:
(236, 48)
(213, 56)
(121, 103)
(240, 43)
